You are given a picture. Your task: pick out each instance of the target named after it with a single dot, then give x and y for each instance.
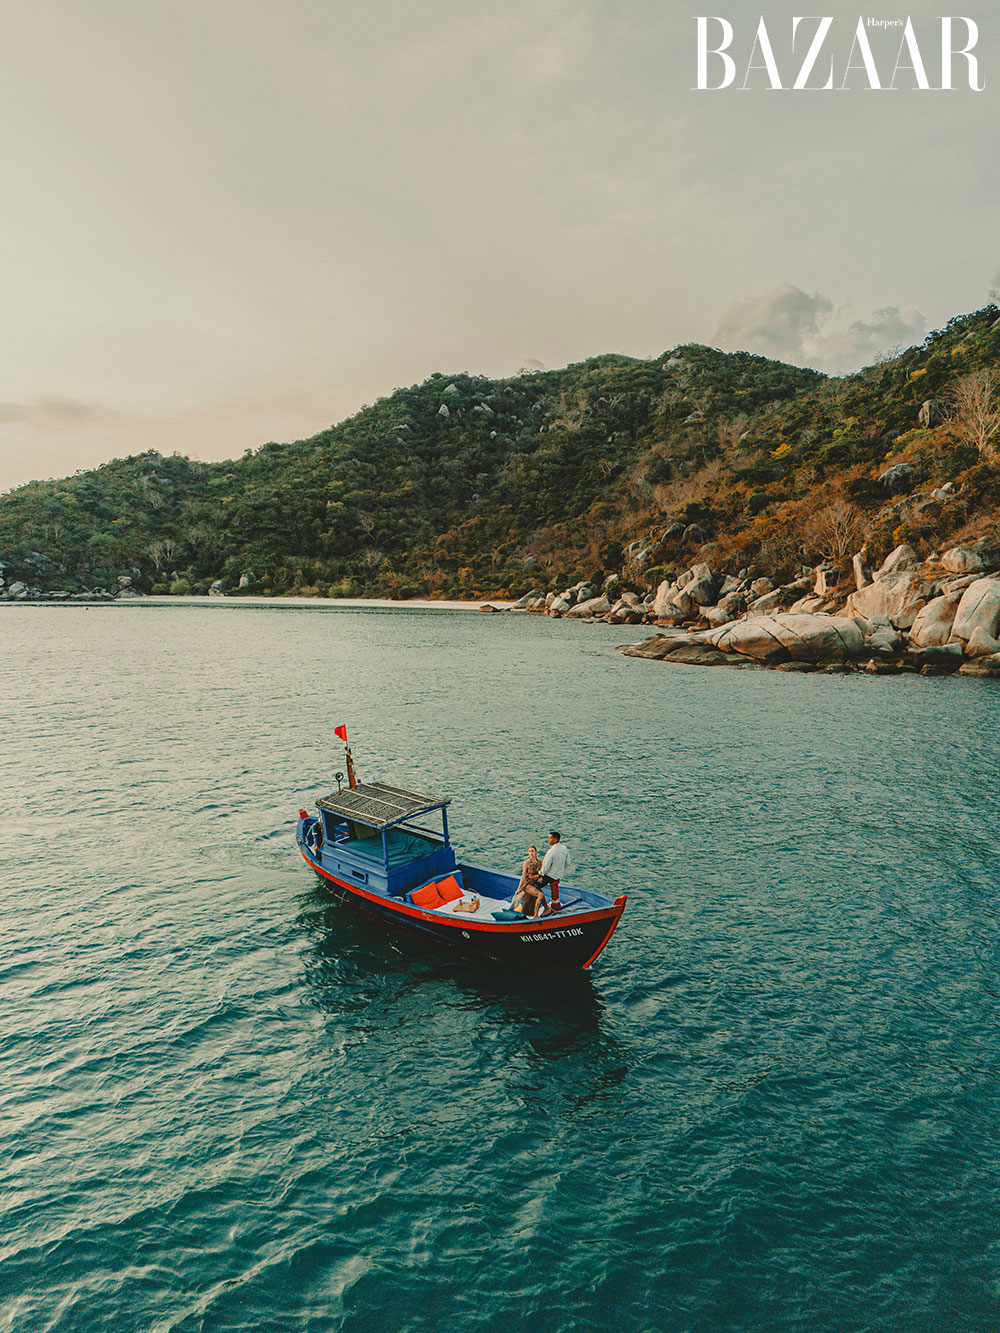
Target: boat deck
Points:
(361, 859)
(487, 906)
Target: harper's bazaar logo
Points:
(820, 58)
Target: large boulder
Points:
(981, 645)
(932, 412)
(960, 583)
(964, 560)
(779, 599)
(703, 586)
(520, 605)
(662, 593)
(947, 491)
(947, 657)
(895, 597)
(677, 646)
(594, 606)
(698, 654)
(903, 557)
(862, 571)
(661, 645)
(826, 578)
(900, 479)
(769, 604)
(678, 610)
(703, 592)
(932, 626)
(800, 638)
(982, 666)
(978, 609)
(880, 637)
(672, 603)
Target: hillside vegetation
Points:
(469, 487)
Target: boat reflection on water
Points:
(524, 1023)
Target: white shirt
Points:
(555, 862)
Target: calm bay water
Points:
(227, 1103)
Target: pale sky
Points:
(225, 222)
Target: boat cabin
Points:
(371, 838)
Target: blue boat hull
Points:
(573, 939)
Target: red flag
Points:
(341, 732)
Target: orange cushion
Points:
(449, 889)
(428, 896)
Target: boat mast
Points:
(341, 732)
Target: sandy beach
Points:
(326, 603)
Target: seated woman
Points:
(528, 897)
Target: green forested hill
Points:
(468, 486)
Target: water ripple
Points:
(228, 1103)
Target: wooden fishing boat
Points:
(367, 845)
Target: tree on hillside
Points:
(976, 419)
(731, 430)
(162, 552)
(837, 531)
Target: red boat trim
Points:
(620, 904)
(504, 927)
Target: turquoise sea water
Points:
(227, 1103)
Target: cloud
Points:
(790, 325)
(776, 324)
(863, 340)
(529, 363)
(52, 412)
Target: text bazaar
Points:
(813, 63)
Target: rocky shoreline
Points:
(936, 616)
(23, 592)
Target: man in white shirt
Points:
(555, 864)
